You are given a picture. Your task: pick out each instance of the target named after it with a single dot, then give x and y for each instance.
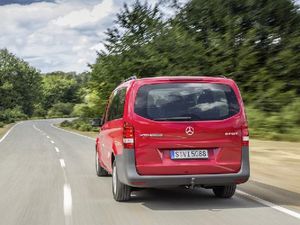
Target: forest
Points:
(254, 42)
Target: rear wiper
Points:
(183, 118)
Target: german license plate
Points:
(189, 154)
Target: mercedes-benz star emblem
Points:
(189, 131)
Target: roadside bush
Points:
(85, 127)
(61, 110)
(1, 124)
(75, 125)
(283, 125)
(81, 110)
(12, 115)
(79, 124)
(291, 114)
(39, 111)
(93, 105)
(82, 125)
(256, 120)
(66, 123)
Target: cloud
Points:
(57, 35)
(86, 16)
(22, 2)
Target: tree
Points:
(255, 42)
(19, 83)
(60, 87)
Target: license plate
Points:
(189, 154)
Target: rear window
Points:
(186, 102)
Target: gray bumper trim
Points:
(128, 175)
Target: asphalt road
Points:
(47, 176)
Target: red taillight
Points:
(245, 136)
(128, 136)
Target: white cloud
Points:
(86, 16)
(57, 36)
(53, 36)
(98, 47)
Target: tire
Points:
(121, 192)
(100, 171)
(224, 191)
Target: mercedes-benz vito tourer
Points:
(174, 131)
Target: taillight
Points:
(128, 136)
(245, 136)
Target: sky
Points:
(57, 35)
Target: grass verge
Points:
(91, 134)
(276, 163)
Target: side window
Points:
(112, 110)
(116, 107)
(121, 102)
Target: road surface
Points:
(47, 176)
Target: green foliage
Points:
(283, 125)
(61, 110)
(65, 123)
(25, 92)
(85, 127)
(90, 107)
(1, 124)
(19, 83)
(59, 87)
(12, 115)
(255, 42)
(80, 110)
(79, 124)
(39, 111)
(291, 114)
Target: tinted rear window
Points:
(186, 102)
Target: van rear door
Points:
(187, 128)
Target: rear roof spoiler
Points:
(130, 78)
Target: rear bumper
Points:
(128, 175)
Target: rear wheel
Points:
(224, 191)
(121, 192)
(101, 172)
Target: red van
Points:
(174, 131)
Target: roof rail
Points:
(130, 78)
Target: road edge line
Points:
(52, 125)
(269, 204)
(7, 132)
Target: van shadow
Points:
(186, 199)
(203, 199)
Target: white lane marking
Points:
(269, 204)
(52, 142)
(57, 149)
(42, 132)
(62, 163)
(36, 128)
(67, 200)
(6, 134)
(68, 195)
(73, 133)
